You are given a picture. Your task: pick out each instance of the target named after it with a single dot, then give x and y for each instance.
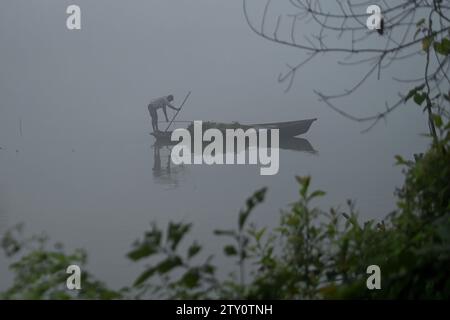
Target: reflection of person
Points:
(163, 173)
(156, 160)
(160, 103)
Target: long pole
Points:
(187, 96)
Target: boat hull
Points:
(286, 129)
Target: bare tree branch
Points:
(340, 28)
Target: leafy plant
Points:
(40, 273)
(174, 274)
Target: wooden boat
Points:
(286, 129)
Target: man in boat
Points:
(160, 103)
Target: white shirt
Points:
(159, 103)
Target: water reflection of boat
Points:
(287, 129)
(285, 143)
(164, 171)
(296, 144)
(167, 173)
(293, 144)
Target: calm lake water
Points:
(101, 193)
(76, 157)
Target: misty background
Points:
(76, 156)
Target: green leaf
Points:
(419, 98)
(229, 233)
(315, 194)
(169, 264)
(260, 195)
(230, 250)
(420, 22)
(258, 234)
(400, 160)
(209, 269)
(193, 250)
(442, 47)
(148, 246)
(437, 119)
(304, 183)
(412, 92)
(426, 42)
(144, 276)
(417, 33)
(142, 251)
(190, 279)
(439, 49)
(419, 27)
(446, 44)
(176, 232)
(243, 215)
(255, 199)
